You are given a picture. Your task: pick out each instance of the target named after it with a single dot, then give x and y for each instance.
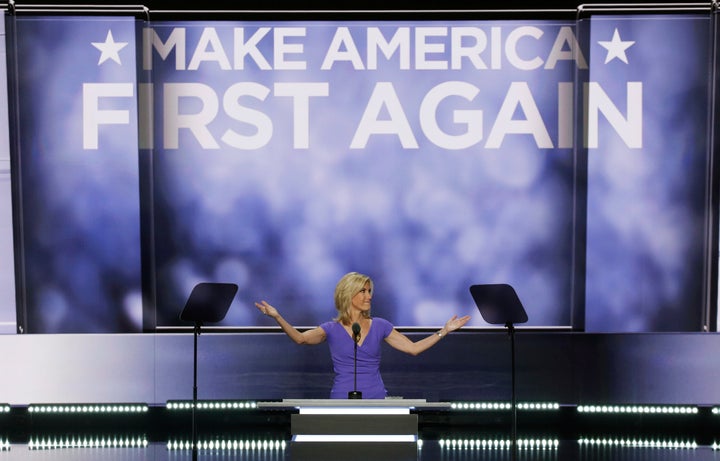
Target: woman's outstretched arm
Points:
(313, 336)
(402, 343)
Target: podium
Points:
(352, 429)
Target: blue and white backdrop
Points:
(280, 155)
(568, 158)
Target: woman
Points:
(353, 294)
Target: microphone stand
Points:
(355, 394)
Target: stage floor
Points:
(430, 451)
(160, 434)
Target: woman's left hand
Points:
(455, 323)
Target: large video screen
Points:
(287, 154)
(280, 155)
(649, 241)
(79, 248)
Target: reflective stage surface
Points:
(432, 450)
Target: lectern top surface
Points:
(403, 403)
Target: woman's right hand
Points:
(266, 309)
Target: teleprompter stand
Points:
(499, 305)
(208, 303)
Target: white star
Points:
(109, 49)
(616, 48)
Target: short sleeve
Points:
(385, 327)
(327, 326)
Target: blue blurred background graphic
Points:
(606, 238)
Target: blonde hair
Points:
(349, 285)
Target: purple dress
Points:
(342, 350)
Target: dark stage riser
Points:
(568, 368)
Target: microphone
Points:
(355, 394)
